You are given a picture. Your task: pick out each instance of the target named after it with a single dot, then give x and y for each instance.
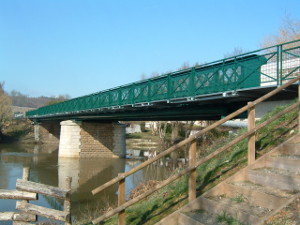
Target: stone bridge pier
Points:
(84, 139)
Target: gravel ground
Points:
(278, 171)
(289, 215)
(268, 190)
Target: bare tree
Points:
(60, 98)
(185, 65)
(143, 76)
(236, 51)
(155, 74)
(197, 64)
(5, 107)
(162, 129)
(288, 31)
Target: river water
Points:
(87, 174)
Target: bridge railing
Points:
(193, 164)
(269, 66)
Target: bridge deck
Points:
(205, 91)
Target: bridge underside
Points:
(97, 133)
(89, 124)
(208, 107)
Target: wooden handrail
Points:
(198, 163)
(193, 137)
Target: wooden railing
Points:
(250, 134)
(27, 190)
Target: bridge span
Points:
(206, 92)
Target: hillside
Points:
(209, 174)
(21, 100)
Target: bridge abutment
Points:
(47, 132)
(92, 139)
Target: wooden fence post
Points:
(121, 201)
(299, 106)
(67, 201)
(192, 178)
(25, 178)
(251, 140)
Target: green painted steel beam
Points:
(269, 66)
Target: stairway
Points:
(250, 196)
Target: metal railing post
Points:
(132, 88)
(192, 87)
(169, 87)
(149, 91)
(119, 91)
(279, 65)
(192, 178)
(121, 201)
(251, 140)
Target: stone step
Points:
(243, 212)
(290, 149)
(285, 162)
(199, 217)
(256, 195)
(296, 139)
(276, 178)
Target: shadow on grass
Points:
(210, 172)
(217, 172)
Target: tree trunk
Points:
(174, 136)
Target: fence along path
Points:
(27, 190)
(191, 170)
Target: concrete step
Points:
(290, 149)
(296, 139)
(285, 162)
(256, 195)
(199, 217)
(243, 212)
(276, 178)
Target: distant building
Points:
(19, 112)
(133, 128)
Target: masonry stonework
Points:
(119, 140)
(47, 132)
(96, 139)
(92, 139)
(69, 143)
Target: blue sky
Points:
(52, 47)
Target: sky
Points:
(78, 47)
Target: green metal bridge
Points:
(208, 91)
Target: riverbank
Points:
(209, 174)
(17, 130)
(87, 173)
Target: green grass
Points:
(174, 196)
(239, 198)
(142, 135)
(228, 219)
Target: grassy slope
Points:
(174, 196)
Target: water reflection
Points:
(87, 174)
